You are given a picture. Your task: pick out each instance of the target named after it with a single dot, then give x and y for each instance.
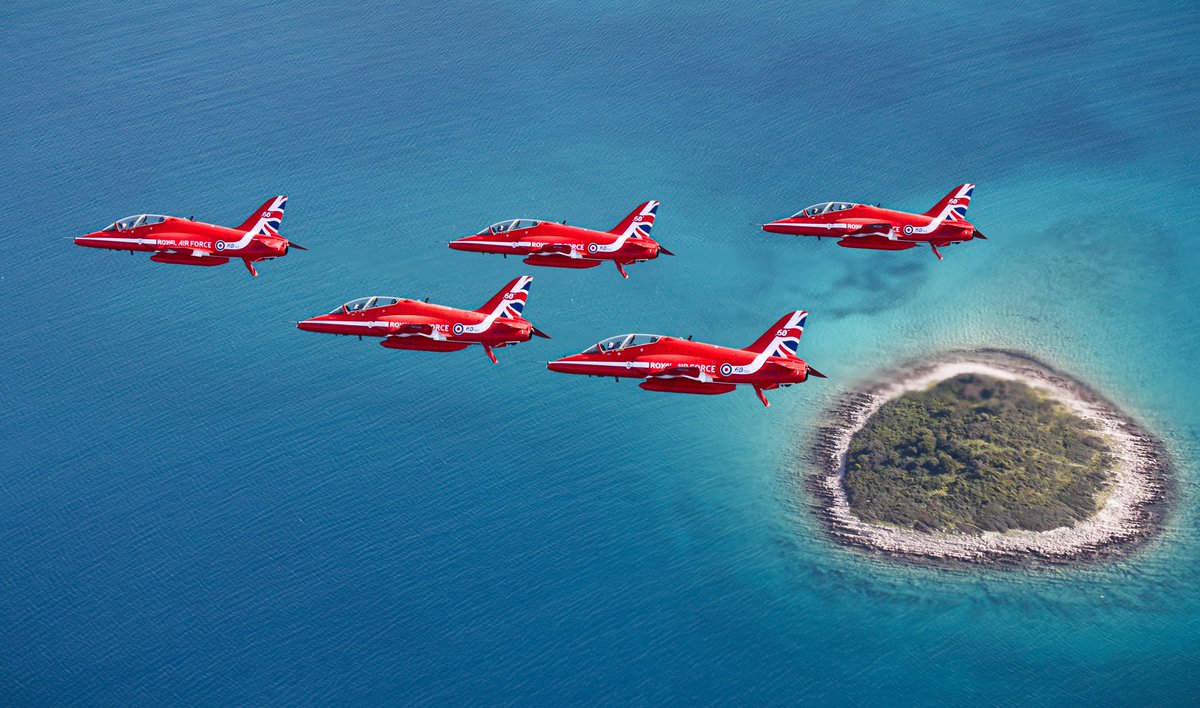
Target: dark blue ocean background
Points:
(201, 504)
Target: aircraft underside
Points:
(176, 258)
(681, 385)
(423, 344)
(187, 258)
(554, 261)
(877, 243)
(692, 386)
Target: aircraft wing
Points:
(415, 329)
(188, 252)
(558, 249)
(879, 229)
(682, 371)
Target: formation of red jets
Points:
(663, 363)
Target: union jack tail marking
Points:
(639, 222)
(783, 339)
(509, 303)
(266, 220)
(953, 206)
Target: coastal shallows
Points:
(1132, 513)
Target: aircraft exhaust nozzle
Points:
(978, 234)
(663, 250)
(818, 374)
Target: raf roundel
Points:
(726, 369)
(592, 248)
(220, 245)
(908, 229)
(458, 328)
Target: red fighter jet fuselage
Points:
(679, 365)
(548, 243)
(186, 242)
(412, 324)
(866, 226)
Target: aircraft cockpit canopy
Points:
(365, 303)
(130, 222)
(823, 208)
(622, 341)
(510, 225)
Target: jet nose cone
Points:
(477, 243)
(566, 364)
(462, 244)
(308, 325)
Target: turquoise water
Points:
(198, 503)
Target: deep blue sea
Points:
(201, 504)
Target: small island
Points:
(987, 456)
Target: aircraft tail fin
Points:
(639, 222)
(783, 339)
(509, 303)
(953, 206)
(266, 219)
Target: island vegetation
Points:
(975, 453)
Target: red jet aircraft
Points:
(549, 243)
(865, 226)
(683, 366)
(410, 324)
(186, 242)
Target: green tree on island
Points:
(975, 453)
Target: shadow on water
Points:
(873, 287)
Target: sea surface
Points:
(201, 504)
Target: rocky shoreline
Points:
(1133, 513)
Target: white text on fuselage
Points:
(702, 368)
(184, 243)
